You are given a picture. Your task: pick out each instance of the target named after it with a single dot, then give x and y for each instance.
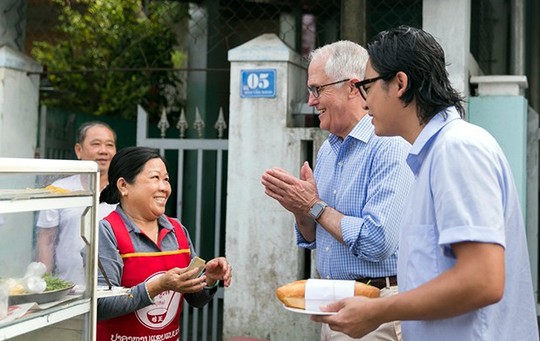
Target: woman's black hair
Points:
(127, 164)
(416, 53)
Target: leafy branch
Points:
(109, 55)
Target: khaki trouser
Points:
(390, 331)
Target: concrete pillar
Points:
(517, 37)
(19, 94)
(353, 22)
(19, 85)
(268, 81)
(450, 23)
(502, 109)
(13, 23)
(197, 59)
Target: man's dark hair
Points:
(83, 129)
(416, 53)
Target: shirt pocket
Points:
(419, 249)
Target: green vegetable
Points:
(55, 283)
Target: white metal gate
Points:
(205, 323)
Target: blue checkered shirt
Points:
(366, 178)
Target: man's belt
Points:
(379, 282)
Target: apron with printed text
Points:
(160, 320)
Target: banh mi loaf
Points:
(292, 294)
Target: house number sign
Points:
(258, 83)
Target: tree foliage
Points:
(110, 55)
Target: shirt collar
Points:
(425, 138)
(362, 131)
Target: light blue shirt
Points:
(464, 191)
(366, 178)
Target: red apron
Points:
(161, 319)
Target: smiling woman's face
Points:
(148, 194)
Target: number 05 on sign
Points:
(258, 83)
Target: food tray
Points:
(104, 291)
(44, 297)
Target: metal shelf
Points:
(35, 204)
(45, 318)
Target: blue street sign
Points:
(258, 83)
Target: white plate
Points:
(40, 298)
(309, 312)
(104, 291)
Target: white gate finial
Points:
(182, 124)
(199, 123)
(220, 125)
(163, 123)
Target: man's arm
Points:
(306, 226)
(475, 281)
(372, 233)
(46, 240)
(330, 220)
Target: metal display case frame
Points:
(29, 199)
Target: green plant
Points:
(107, 56)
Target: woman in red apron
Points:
(142, 249)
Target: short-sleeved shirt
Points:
(464, 192)
(68, 262)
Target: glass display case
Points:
(48, 249)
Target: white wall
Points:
(18, 132)
(19, 94)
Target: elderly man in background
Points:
(59, 243)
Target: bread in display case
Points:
(48, 246)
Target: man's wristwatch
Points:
(317, 209)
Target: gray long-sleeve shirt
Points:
(110, 307)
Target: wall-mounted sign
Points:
(258, 83)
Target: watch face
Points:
(317, 210)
